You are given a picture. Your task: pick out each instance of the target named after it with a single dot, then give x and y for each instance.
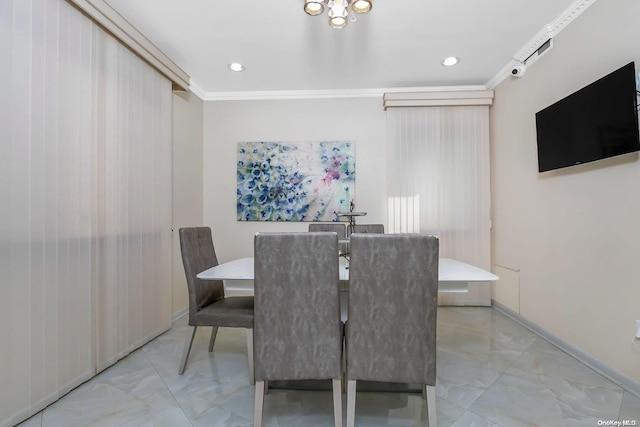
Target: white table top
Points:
(449, 270)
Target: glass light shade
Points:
(339, 9)
(338, 22)
(313, 7)
(361, 6)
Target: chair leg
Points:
(186, 351)
(344, 380)
(431, 405)
(337, 401)
(351, 403)
(344, 366)
(212, 341)
(252, 379)
(257, 406)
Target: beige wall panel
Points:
(506, 291)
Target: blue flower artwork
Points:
(294, 181)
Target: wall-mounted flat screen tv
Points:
(596, 122)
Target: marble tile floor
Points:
(492, 372)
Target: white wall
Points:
(187, 182)
(573, 234)
(360, 120)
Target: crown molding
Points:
(290, 94)
(549, 31)
(321, 94)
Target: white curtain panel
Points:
(85, 199)
(438, 183)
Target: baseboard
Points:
(178, 314)
(621, 380)
(36, 407)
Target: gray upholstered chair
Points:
(367, 228)
(208, 305)
(297, 329)
(339, 227)
(391, 332)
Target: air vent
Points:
(544, 48)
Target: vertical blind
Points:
(85, 202)
(132, 179)
(438, 183)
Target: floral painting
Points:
(302, 181)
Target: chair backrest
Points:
(297, 328)
(198, 254)
(368, 228)
(393, 290)
(339, 227)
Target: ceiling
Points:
(399, 44)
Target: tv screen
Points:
(598, 121)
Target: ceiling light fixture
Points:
(236, 66)
(338, 10)
(448, 62)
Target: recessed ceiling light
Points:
(448, 62)
(236, 66)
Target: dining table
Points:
(453, 275)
